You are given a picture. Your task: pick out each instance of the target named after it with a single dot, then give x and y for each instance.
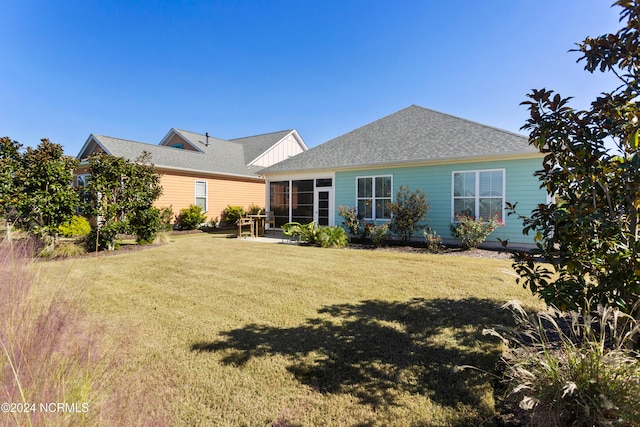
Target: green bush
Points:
(434, 241)
(103, 238)
(254, 209)
(574, 370)
(325, 236)
(232, 214)
(166, 218)
(473, 232)
(331, 237)
(190, 218)
(351, 219)
(145, 224)
(77, 226)
(379, 234)
(409, 209)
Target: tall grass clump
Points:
(46, 353)
(572, 369)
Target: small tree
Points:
(45, 175)
(590, 234)
(409, 209)
(9, 186)
(119, 194)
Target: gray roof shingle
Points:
(228, 157)
(254, 146)
(411, 135)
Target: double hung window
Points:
(201, 195)
(373, 195)
(479, 193)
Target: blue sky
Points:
(135, 69)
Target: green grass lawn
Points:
(208, 330)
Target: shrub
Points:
(331, 237)
(77, 226)
(433, 240)
(325, 236)
(103, 238)
(351, 219)
(379, 234)
(166, 218)
(190, 218)
(575, 370)
(63, 250)
(254, 209)
(473, 232)
(232, 214)
(407, 211)
(145, 224)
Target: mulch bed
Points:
(422, 249)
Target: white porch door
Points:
(323, 211)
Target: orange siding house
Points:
(202, 170)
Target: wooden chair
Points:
(244, 221)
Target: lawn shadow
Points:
(376, 350)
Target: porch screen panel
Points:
(279, 201)
(302, 201)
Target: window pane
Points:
(464, 184)
(303, 199)
(490, 207)
(201, 189)
(383, 186)
(202, 202)
(302, 185)
(324, 182)
(381, 209)
(491, 184)
(365, 187)
(364, 208)
(464, 206)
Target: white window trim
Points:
(206, 193)
(477, 191)
(373, 195)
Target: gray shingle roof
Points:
(228, 157)
(254, 146)
(412, 135)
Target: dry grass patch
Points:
(222, 331)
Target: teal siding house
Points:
(462, 166)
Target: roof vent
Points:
(207, 135)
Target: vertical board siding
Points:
(521, 187)
(287, 147)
